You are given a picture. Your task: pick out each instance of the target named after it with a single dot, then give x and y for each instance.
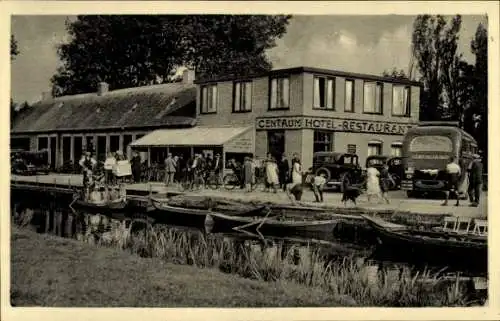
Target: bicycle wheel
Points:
(230, 181)
(213, 181)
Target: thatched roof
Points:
(166, 105)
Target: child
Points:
(318, 185)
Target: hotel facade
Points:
(306, 110)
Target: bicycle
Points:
(191, 184)
(214, 180)
(232, 180)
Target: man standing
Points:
(136, 167)
(475, 180)
(169, 169)
(87, 162)
(284, 172)
(453, 171)
(217, 168)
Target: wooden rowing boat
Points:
(108, 206)
(167, 214)
(431, 246)
(270, 225)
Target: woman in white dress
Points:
(295, 188)
(372, 183)
(272, 174)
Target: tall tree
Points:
(130, 51)
(14, 51)
(479, 122)
(434, 46)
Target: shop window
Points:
(396, 150)
(101, 147)
(242, 96)
(280, 93)
(20, 143)
(66, 148)
(53, 152)
(401, 100)
(323, 141)
(127, 139)
(374, 148)
(114, 143)
(90, 144)
(372, 98)
(209, 99)
(43, 143)
(324, 92)
(276, 143)
(77, 148)
(351, 148)
(349, 95)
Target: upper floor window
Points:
(324, 92)
(349, 95)
(372, 98)
(401, 100)
(280, 93)
(397, 149)
(242, 96)
(374, 148)
(209, 99)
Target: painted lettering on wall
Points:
(334, 124)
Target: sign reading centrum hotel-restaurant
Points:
(333, 124)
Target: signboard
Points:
(333, 124)
(243, 143)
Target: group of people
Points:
(475, 180)
(196, 168)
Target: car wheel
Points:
(326, 171)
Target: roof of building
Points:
(195, 136)
(304, 69)
(148, 106)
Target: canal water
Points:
(52, 214)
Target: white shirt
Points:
(453, 168)
(319, 180)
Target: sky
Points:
(362, 44)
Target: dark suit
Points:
(284, 172)
(475, 181)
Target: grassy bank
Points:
(51, 271)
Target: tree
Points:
(479, 109)
(14, 50)
(396, 74)
(434, 46)
(130, 50)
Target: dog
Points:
(351, 192)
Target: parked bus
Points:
(427, 149)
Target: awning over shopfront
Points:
(233, 139)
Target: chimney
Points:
(188, 77)
(102, 88)
(46, 95)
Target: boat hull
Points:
(432, 250)
(225, 223)
(165, 214)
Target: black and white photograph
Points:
(170, 159)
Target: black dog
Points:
(351, 193)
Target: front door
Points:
(276, 143)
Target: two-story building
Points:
(299, 110)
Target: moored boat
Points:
(271, 225)
(105, 206)
(165, 213)
(458, 249)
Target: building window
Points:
(372, 97)
(396, 150)
(101, 148)
(276, 143)
(280, 93)
(349, 96)
(209, 99)
(401, 101)
(43, 143)
(324, 93)
(66, 148)
(77, 148)
(323, 141)
(114, 143)
(242, 97)
(374, 148)
(351, 148)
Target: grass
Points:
(56, 272)
(345, 278)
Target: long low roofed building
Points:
(103, 121)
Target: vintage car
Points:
(336, 167)
(29, 162)
(395, 167)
